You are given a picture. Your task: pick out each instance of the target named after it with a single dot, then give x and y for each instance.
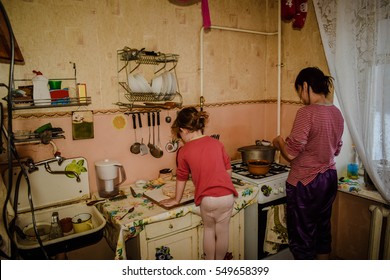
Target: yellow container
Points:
(82, 222)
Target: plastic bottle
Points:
(55, 229)
(41, 93)
(353, 166)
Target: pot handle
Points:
(122, 174)
(263, 142)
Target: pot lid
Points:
(256, 147)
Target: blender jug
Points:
(109, 175)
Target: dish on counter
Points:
(43, 230)
(140, 183)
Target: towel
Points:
(276, 229)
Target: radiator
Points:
(379, 238)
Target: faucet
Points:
(32, 166)
(57, 158)
(66, 172)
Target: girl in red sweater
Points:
(208, 163)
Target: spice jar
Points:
(166, 174)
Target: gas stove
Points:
(272, 191)
(272, 184)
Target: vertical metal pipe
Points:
(279, 67)
(386, 247)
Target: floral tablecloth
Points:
(358, 187)
(145, 212)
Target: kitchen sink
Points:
(53, 191)
(31, 249)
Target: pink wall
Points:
(238, 125)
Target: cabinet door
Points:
(236, 237)
(183, 245)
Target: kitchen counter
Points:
(358, 187)
(147, 212)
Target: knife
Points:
(115, 198)
(133, 193)
(237, 182)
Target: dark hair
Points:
(189, 118)
(315, 79)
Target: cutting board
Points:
(156, 195)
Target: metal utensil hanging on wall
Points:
(135, 148)
(150, 146)
(156, 151)
(158, 134)
(143, 148)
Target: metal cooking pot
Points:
(257, 152)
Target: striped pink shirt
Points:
(314, 141)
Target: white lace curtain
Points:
(356, 38)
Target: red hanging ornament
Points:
(300, 15)
(288, 9)
(206, 14)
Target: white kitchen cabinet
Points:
(179, 234)
(184, 237)
(236, 237)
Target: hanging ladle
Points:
(158, 134)
(150, 145)
(135, 148)
(155, 151)
(143, 147)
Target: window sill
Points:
(358, 188)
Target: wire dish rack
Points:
(129, 60)
(146, 96)
(49, 103)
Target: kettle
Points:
(110, 174)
